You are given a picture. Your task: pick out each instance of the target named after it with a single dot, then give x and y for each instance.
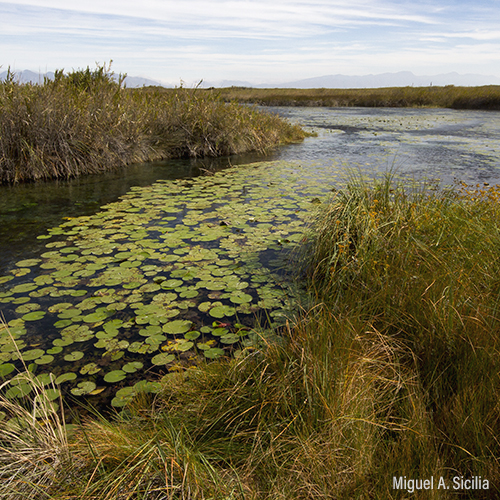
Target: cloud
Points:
(241, 38)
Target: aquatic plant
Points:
(173, 273)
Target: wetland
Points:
(304, 321)
(112, 281)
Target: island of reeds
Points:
(393, 372)
(86, 122)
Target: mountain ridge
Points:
(398, 79)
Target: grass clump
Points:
(86, 122)
(421, 267)
(34, 450)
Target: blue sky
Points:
(253, 40)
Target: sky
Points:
(257, 41)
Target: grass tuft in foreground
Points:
(34, 447)
(395, 372)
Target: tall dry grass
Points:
(86, 122)
(34, 450)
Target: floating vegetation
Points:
(171, 274)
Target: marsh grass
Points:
(86, 122)
(395, 371)
(33, 437)
(485, 97)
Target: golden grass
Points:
(485, 97)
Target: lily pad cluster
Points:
(170, 274)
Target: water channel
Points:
(141, 271)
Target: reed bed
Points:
(394, 372)
(485, 97)
(85, 122)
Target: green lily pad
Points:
(162, 359)
(83, 388)
(177, 326)
(123, 397)
(24, 288)
(6, 369)
(63, 323)
(65, 377)
(51, 394)
(132, 367)
(240, 298)
(90, 369)
(46, 359)
(229, 339)
(115, 376)
(222, 311)
(28, 307)
(74, 356)
(45, 379)
(32, 354)
(54, 350)
(33, 316)
(97, 316)
(213, 353)
(20, 390)
(181, 345)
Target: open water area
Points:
(111, 281)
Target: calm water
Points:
(421, 143)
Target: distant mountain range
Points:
(400, 79)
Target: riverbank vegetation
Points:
(485, 97)
(85, 122)
(394, 372)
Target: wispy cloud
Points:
(252, 38)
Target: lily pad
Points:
(90, 369)
(46, 359)
(74, 356)
(83, 388)
(213, 353)
(24, 288)
(115, 376)
(177, 326)
(32, 354)
(20, 390)
(6, 369)
(33, 316)
(162, 359)
(222, 311)
(65, 377)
